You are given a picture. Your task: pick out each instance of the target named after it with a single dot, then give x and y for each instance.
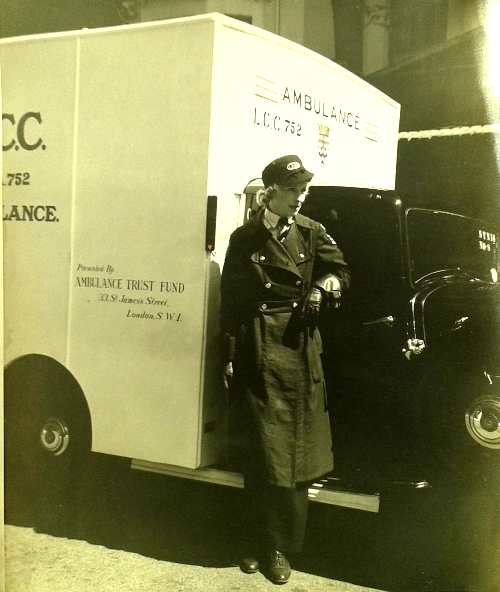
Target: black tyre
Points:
(461, 425)
(47, 438)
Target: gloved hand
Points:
(331, 290)
(228, 374)
(311, 308)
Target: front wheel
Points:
(47, 439)
(482, 420)
(461, 425)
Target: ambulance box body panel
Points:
(137, 326)
(37, 143)
(113, 141)
(273, 97)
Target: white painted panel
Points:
(138, 279)
(38, 100)
(274, 97)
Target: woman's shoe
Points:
(249, 565)
(278, 567)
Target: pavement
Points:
(37, 562)
(112, 528)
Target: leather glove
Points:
(311, 308)
(228, 374)
(331, 290)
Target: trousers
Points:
(275, 517)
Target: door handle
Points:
(388, 321)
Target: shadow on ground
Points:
(443, 540)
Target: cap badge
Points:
(293, 166)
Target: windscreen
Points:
(441, 241)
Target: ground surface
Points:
(115, 529)
(43, 563)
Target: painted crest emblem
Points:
(323, 142)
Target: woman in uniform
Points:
(280, 268)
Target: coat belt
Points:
(289, 305)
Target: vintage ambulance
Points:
(129, 156)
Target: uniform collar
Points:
(270, 219)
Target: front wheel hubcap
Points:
(54, 436)
(482, 419)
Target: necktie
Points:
(283, 228)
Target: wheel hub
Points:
(482, 420)
(54, 436)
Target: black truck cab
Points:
(411, 357)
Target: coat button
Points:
(298, 283)
(263, 306)
(262, 258)
(301, 255)
(268, 285)
(294, 304)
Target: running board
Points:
(318, 492)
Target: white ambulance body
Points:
(113, 139)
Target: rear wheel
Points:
(47, 438)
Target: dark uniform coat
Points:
(278, 376)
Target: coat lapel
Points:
(289, 255)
